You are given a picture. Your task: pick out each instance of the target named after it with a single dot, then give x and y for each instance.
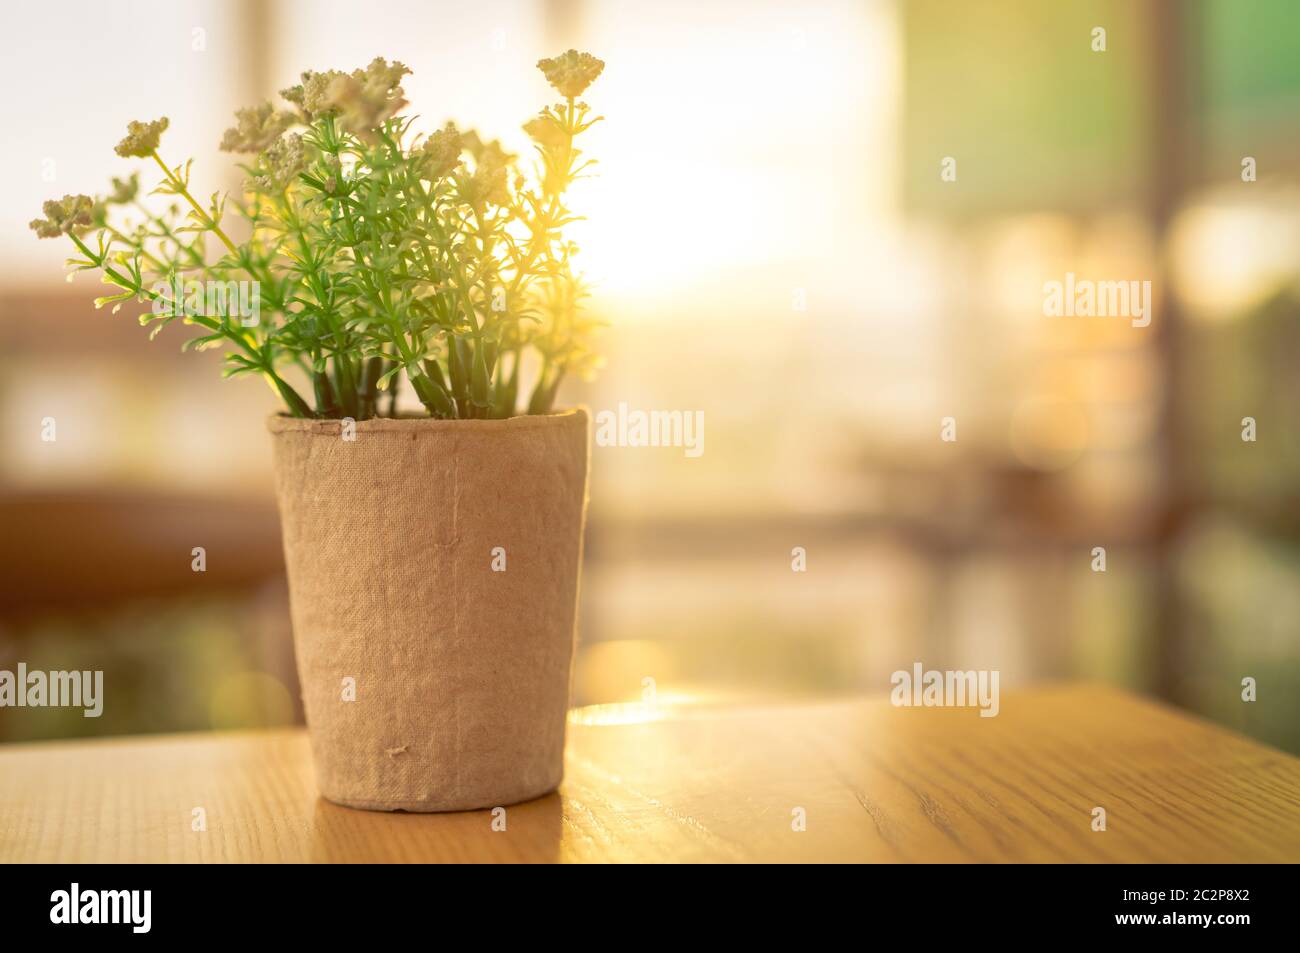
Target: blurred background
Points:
(773, 243)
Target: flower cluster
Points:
(141, 140)
(362, 99)
(124, 190)
(489, 182)
(443, 149)
(64, 216)
(546, 129)
(571, 72)
(256, 128)
(281, 163)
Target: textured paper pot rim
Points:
(283, 423)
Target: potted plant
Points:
(433, 557)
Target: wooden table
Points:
(874, 782)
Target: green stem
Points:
(179, 187)
(291, 397)
(167, 232)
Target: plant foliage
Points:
(374, 251)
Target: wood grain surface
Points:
(874, 782)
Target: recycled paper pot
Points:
(433, 581)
